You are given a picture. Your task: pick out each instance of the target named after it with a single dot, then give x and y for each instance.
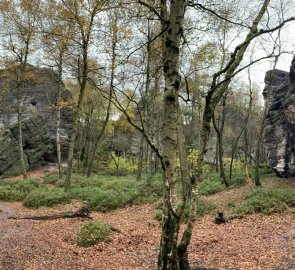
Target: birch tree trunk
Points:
(168, 248)
(211, 101)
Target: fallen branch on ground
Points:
(83, 212)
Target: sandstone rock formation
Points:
(38, 117)
(280, 122)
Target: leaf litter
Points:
(252, 243)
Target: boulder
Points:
(280, 121)
(36, 142)
(39, 97)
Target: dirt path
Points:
(7, 233)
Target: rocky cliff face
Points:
(280, 122)
(38, 116)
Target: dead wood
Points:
(83, 212)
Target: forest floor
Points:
(251, 243)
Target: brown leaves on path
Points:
(252, 243)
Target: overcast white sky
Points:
(288, 44)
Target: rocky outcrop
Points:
(36, 142)
(39, 98)
(280, 121)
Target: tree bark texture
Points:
(168, 258)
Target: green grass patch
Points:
(46, 197)
(93, 232)
(267, 202)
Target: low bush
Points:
(90, 182)
(103, 193)
(46, 197)
(50, 178)
(17, 189)
(93, 232)
(237, 181)
(125, 166)
(205, 207)
(104, 200)
(265, 170)
(285, 195)
(210, 186)
(267, 202)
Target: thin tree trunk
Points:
(58, 144)
(58, 118)
(219, 132)
(76, 119)
(183, 158)
(111, 89)
(246, 171)
(140, 159)
(20, 138)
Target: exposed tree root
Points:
(220, 219)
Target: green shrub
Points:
(205, 207)
(237, 181)
(104, 200)
(90, 182)
(267, 202)
(265, 170)
(93, 232)
(285, 195)
(108, 193)
(50, 178)
(46, 197)
(83, 193)
(8, 194)
(210, 186)
(125, 166)
(17, 189)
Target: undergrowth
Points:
(46, 197)
(16, 189)
(267, 202)
(93, 232)
(203, 208)
(101, 192)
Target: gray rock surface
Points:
(280, 122)
(38, 117)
